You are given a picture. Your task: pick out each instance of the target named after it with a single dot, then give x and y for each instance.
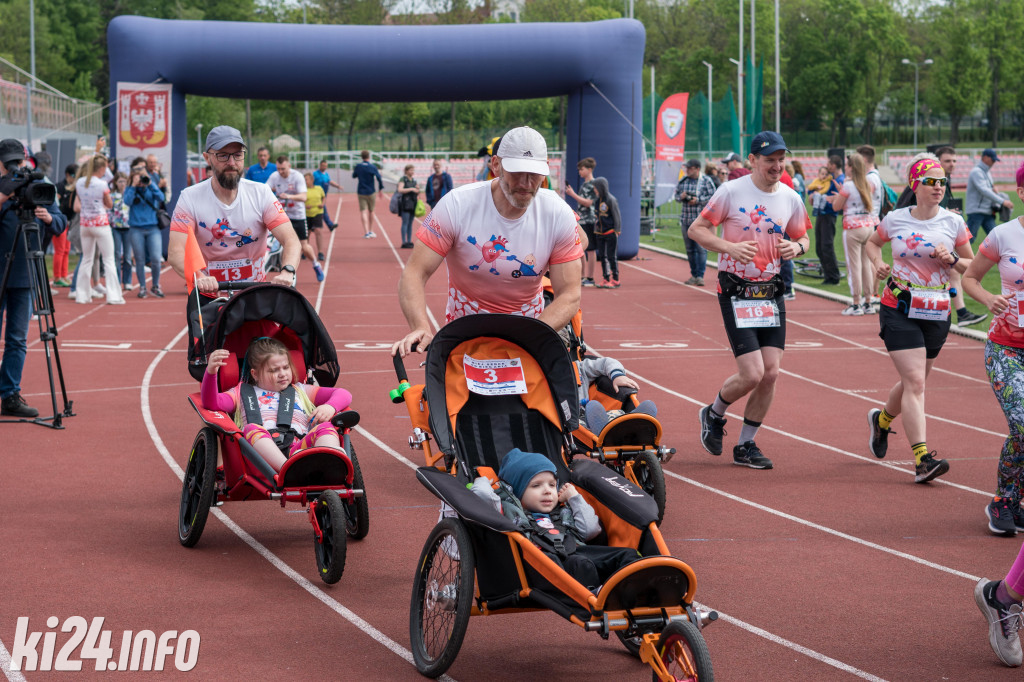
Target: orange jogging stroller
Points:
(494, 382)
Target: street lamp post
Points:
(710, 139)
(739, 87)
(917, 80)
(199, 138)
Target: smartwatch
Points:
(288, 268)
(802, 249)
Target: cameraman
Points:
(143, 199)
(16, 305)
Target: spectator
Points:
(119, 226)
(587, 212)
(366, 173)
(322, 178)
(315, 212)
(262, 169)
(825, 224)
(439, 184)
(693, 192)
(982, 200)
(407, 204)
(606, 230)
(61, 243)
(861, 199)
(143, 200)
(711, 170)
(734, 164)
(796, 171)
(92, 201)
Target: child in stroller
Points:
(607, 372)
(270, 408)
(558, 521)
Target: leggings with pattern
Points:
(1005, 368)
(253, 432)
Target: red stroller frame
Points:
(328, 482)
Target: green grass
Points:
(670, 237)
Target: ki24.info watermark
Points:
(142, 650)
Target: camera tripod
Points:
(42, 306)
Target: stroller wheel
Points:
(198, 487)
(650, 477)
(685, 653)
(330, 549)
(357, 512)
(442, 597)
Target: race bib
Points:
(232, 270)
(1019, 298)
(494, 377)
(929, 304)
(755, 314)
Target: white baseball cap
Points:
(523, 150)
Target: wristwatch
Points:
(802, 249)
(288, 268)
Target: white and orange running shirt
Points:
(495, 265)
(748, 214)
(913, 247)
(1005, 246)
(233, 238)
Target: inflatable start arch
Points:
(372, 64)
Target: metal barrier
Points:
(50, 111)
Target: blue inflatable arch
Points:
(372, 64)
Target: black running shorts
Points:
(299, 225)
(899, 332)
(588, 229)
(315, 222)
(745, 341)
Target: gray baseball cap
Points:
(222, 136)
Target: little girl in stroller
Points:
(271, 409)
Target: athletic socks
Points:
(885, 419)
(719, 407)
(920, 450)
(1003, 597)
(749, 430)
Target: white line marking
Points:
(810, 653)
(274, 560)
(5, 666)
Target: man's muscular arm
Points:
(423, 263)
(290, 248)
(565, 281)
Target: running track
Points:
(832, 566)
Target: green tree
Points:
(959, 78)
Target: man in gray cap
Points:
(982, 201)
(16, 306)
(231, 219)
(497, 238)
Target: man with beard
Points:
(497, 238)
(231, 218)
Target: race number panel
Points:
(231, 270)
(494, 377)
(753, 314)
(928, 304)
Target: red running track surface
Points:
(833, 565)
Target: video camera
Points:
(28, 187)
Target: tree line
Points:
(841, 61)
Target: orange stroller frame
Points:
(476, 562)
(223, 466)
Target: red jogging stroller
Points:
(326, 481)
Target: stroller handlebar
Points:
(234, 286)
(403, 378)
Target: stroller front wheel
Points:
(442, 597)
(684, 653)
(357, 512)
(330, 548)
(197, 488)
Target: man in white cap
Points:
(498, 238)
(231, 218)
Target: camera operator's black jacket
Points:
(19, 278)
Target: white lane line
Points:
(5, 666)
(401, 264)
(879, 351)
(380, 444)
(810, 653)
(274, 560)
(874, 401)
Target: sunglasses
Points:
(932, 182)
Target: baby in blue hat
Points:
(558, 520)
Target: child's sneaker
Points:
(319, 272)
(588, 282)
(930, 468)
(615, 283)
(1003, 623)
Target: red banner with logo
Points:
(670, 136)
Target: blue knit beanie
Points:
(518, 468)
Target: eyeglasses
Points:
(932, 182)
(224, 156)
